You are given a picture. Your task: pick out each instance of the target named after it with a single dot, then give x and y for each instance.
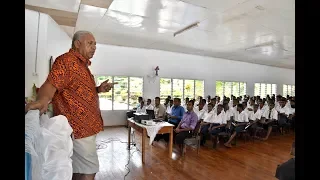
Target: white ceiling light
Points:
(193, 25)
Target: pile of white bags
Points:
(50, 145)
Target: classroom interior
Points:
(232, 47)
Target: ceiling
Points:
(255, 31)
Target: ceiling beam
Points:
(65, 18)
(98, 3)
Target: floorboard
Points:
(256, 160)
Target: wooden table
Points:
(167, 128)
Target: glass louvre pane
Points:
(285, 90)
(228, 89)
(235, 89)
(105, 99)
(165, 89)
(135, 91)
(177, 88)
(199, 88)
(189, 89)
(256, 89)
(263, 90)
(269, 90)
(219, 88)
(274, 89)
(243, 88)
(120, 93)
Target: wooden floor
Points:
(247, 161)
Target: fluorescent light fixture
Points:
(260, 46)
(187, 28)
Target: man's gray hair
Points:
(78, 35)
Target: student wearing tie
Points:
(241, 121)
(269, 118)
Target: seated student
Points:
(240, 123)
(149, 105)
(141, 108)
(218, 124)
(205, 124)
(214, 103)
(208, 99)
(205, 105)
(234, 109)
(200, 111)
(254, 118)
(229, 116)
(174, 118)
(159, 110)
(292, 113)
(282, 109)
(269, 117)
(251, 104)
(245, 108)
(169, 107)
(262, 106)
(186, 126)
(177, 112)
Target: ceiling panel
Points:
(169, 10)
(61, 17)
(216, 5)
(227, 28)
(89, 17)
(97, 3)
(64, 5)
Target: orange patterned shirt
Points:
(76, 96)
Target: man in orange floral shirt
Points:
(71, 88)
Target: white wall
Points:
(52, 41)
(116, 60)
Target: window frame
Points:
(183, 84)
(223, 87)
(291, 91)
(266, 89)
(112, 93)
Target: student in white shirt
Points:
(269, 117)
(229, 115)
(254, 118)
(234, 109)
(245, 109)
(292, 113)
(262, 106)
(199, 111)
(282, 109)
(141, 108)
(169, 107)
(214, 103)
(218, 124)
(205, 124)
(149, 105)
(250, 105)
(205, 106)
(240, 123)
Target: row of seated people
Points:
(222, 116)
